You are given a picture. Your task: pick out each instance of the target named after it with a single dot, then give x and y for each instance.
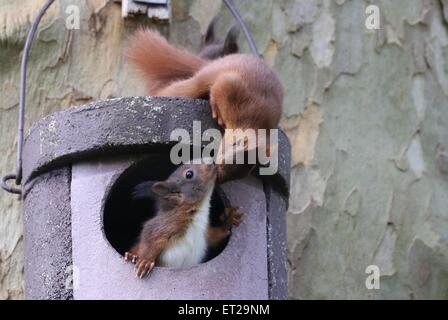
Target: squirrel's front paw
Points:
(143, 267)
(233, 216)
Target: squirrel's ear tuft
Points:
(210, 33)
(231, 42)
(163, 188)
(143, 191)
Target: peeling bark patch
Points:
(418, 54)
(271, 53)
(436, 60)
(300, 41)
(311, 186)
(303, 132)
(419, 262)
(418, 96)
(384, 256)
(14, 19)
(203, 17)
(349, 43)
(352, 203)
(445, 9)
(97, 5)
(323, 78)
(299, 13)
(322, 45)
(426, 12)
(415, 157)
(442, 158)
(411, 157)
(392, 36)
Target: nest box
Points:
(78, 169)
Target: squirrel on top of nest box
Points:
(244, 92)
(180, 233)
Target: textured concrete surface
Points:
(276, 193)
(239, 272)
(277, 206)
(48, 235)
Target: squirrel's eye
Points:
(189, 174)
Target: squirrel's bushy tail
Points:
(160, 62)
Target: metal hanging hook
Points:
(6, 187)
(26, 51)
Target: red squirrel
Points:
(244, 92)
(181, 232)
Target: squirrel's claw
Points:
(236, 216)
(143, 267)
(216, 115)
(130, 257)
(233, 217)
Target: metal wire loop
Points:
(6, 187)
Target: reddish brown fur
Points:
(160, 62)
(244, 91)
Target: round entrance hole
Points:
(127, 208)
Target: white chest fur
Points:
(191, 248)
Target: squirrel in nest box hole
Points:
(244, 92)
(180, 233)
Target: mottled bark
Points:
(366, 113)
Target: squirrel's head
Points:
(187, 185)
